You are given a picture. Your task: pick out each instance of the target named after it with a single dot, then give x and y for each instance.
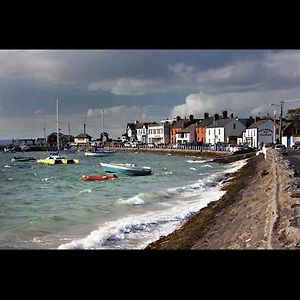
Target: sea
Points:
(49, 207)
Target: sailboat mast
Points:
(103, 126)
(57, 129)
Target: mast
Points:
(57, 129)
(45, 138)
(102, 126)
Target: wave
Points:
(193, 161)
(135, 200)
(137, 231)
(85, 191)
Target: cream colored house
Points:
(82, 139)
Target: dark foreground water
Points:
(45, 206)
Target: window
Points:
(219, 131)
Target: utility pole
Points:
(280, 124)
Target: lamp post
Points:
(280, 120)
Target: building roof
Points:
(259, 123)
(146, 124)
(181, 123)
(188, 129)
(206, 122)
(220, 123)
(246, 122)
(83, 136)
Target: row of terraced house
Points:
(216, 129)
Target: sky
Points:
(144, 85)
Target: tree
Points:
(294, 116)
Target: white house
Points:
(142, 131)
(224, 131)
(156, 134)
(260, 133)
(186, 135)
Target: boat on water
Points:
(56, 159)
(19, 166)
(98, 177)
(99, 153)
(23, 158)
(128, 169)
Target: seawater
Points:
(44, 207)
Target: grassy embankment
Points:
(194, 228)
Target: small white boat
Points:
(128, 169)
(99, 153)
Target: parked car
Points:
(296, 145)
(243, 149)
(127, 145)
(281, 149)
(151, 145)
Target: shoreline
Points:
(184, 237)
(260, 210)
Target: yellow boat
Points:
(56, 159)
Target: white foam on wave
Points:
(47, 178)
(137, 231)
(194, 169)
(192, 161)
(207, 166)
(85, 191)
(135, 200)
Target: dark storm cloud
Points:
(30, 81)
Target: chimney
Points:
(257, 119)
(84, 125)
(216, 117)
(136, 121)
(224, 114)
(231, 115)
(206, 115)
(191, 118)
(177, 118)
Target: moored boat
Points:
(99, 153)
(98, 177)
(56, 159)
(128, 169)
(23, 158)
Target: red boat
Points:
(98, 177)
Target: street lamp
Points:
(280, 120)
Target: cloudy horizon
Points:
(144, 85)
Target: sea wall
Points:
(260, 210)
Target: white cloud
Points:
(124, 86)
(197, 105)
